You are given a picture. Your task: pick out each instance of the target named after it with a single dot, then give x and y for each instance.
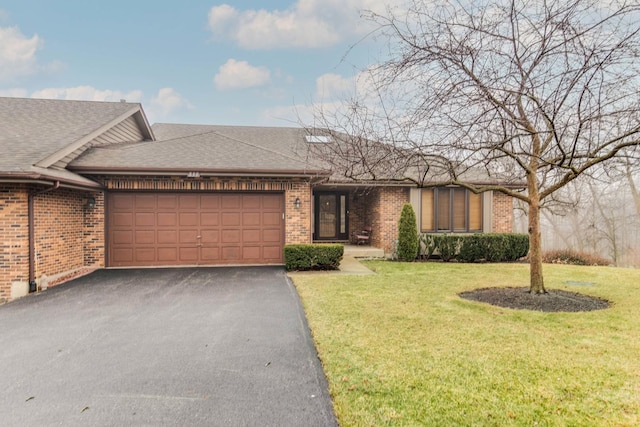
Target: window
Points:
(451, 210)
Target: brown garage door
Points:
(195, 229)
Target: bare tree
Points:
(534, 92)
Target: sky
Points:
(259, 63)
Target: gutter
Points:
(32, 246)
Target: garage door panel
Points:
(231, 253)
(188, 236)
(167, 236)
(188, 219)
(189, 255)
(145, 237)
(271, 218)
(251, 219)
(198, 228)
(230, 218)
(251, 201)
(122, 237)
(168, 255)
(231, 201)
(122, 201)
(167, 219)
(251, 253)
(272, 253)
(209, 236)
(145, 219)
(251, 236)
(209, 218)
(145, 201)
(189, 201)
(210, 202)
(144, 255)
(121, 219)
(272, 203)
(122, 255)
(230, 236)
(210, 254)
(272, 236)
(167, 202)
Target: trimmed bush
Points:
(447, 246)
(407, 235)
(569, 256)
(313, 257)
(427, 245)
(490, 247)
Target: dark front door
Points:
(331, 219)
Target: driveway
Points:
(187, 347)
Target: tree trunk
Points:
(536, 285)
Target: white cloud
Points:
(168, 101)
(88, 93)
(307, 24)
(17, 53)
(334, 85)
(240, 75)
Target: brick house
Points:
(86, 185)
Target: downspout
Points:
(32, 241)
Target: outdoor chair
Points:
(364, 236)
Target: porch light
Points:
(90, 202)
(297, 203)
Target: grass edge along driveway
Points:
(401, 348)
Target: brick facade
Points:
(14, 238)
(502, 220)
(60, 219)
(387, 203)
(298, 220)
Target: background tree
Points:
(534, 93)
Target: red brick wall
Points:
(14, 238)
(502, 221)
(93, 228)
(298, 220)
(59, 234)
(386, 206)
(68, 237)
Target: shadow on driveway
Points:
(188, 346)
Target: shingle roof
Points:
(33, 129)
(207, 148)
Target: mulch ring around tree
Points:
(554, 300)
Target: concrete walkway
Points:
(348, 265)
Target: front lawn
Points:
(402, 348)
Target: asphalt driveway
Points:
(187, 347)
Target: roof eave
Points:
(37, 178)
(199, 171)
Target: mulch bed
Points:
(554, 300)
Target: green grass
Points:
(401, 348)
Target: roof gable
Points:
(41, 132)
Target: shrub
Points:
(473, 248)
(570, 256)
(490, 247)
(407, 249)
(427, 244)
(313, 257)
(447, 246)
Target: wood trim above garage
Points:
(212, 228)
